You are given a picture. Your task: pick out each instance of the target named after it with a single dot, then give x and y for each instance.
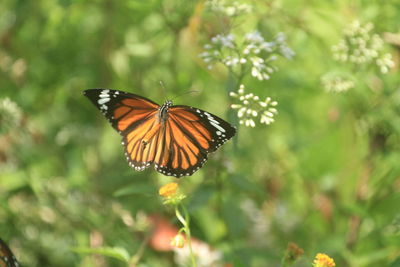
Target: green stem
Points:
(284, 263)
(185, 222)
(135, 258)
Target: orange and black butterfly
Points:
(7, 258)
(176, 139)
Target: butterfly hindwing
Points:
(142, 142)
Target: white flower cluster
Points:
(259, 221)
(250, 107)
(10, 115)
(204, 254)
(254, 53)
(228, 8)
(385, 63)
(360, 46)
(284, 49)
(336, 83)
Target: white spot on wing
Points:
(102, 101)
(214, 122)
(217, 126)
(104, 94)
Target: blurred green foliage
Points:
(325, 175)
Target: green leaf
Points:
(395, 263)
(135, 189)
(113, 252)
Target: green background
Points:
(325, 175)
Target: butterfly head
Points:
(163, 111)
(168, 103)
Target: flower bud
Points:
(178, 241)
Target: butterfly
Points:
(176, 138)
(7, 258)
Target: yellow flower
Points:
(168, 190)
(323, 260)
(170, 194)
(178, 241)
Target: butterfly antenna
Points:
(185, 93)
(164, 90)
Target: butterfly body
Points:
(163, 111)
(176, 138)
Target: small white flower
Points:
(228, 8)
(385, 63)
(10, 115)
(336, 84)
(266, 119)
(232, 94)
(204, 254)
(250, 107)
(260, 223)
(254, 53)
(254, 37)
(360, 46)
(255, 43)
(286, 51)
(260, 69)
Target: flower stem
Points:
(185, 222)
(134, 260)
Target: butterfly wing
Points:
(134, 117)
(188, 136)
(143, 142)
(7, 258)
(177, 144)
(125, 111)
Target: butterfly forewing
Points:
(7, 258)
(176, 139)
(124, 110)
(208, 125)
